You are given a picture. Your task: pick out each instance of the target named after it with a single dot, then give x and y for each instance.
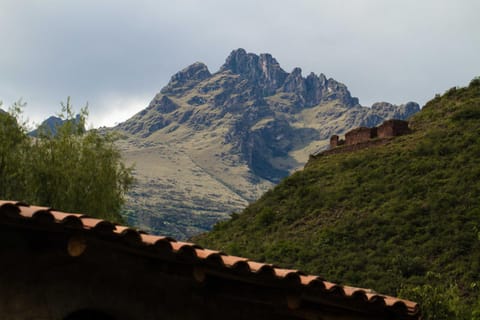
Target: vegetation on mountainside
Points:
(74, 170)
(403, 218)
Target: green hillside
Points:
(403, 218)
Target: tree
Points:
(71, 169)
(13, 144)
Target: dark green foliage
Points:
(439, 302)
(13, 143)
(73, 170)
(385, 218)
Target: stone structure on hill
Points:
(335, 141)
(389, 128)
(359, 135)
(393, 128)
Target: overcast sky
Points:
(118, 54)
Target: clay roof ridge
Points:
(15, 209)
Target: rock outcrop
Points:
(187, 78)
(262, 70)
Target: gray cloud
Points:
(118, 54)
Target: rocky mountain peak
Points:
(410, 108)
(238, 61)
(314, 87)
(399, 112)
(382, 105)
(263, 69)
(295, 82)
(297, 72)
(197, 71)
(338, 91)
(322, 78)
(187, 78)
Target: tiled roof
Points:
(345, 297)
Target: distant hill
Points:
(403, 215)
(50, 126)
(208, 144)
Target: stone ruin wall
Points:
(393, 128)
(335, 141)
(360, 135)
(389, 128)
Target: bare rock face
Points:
(317, 89)
(339, 91)
(187, 78)
(295, 82)
(163, 105)
(403, 111)
(263, 70)
(315, 86)
(208, 144)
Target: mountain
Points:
(403, 218)
(208, 144)
(50, 125)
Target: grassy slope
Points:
(383, 217)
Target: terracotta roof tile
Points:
(329, 286)
(31, 211)
(350, 291)
(60, 216)
(43, 214)
(7, 202)
(123, 229)
(206, 253)
(92, 223)
(232, 261)
(152, 240)
(178, 245)
(258, 267)
(411, 307)
(40, 214)
(309, 280)
(283, 273)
